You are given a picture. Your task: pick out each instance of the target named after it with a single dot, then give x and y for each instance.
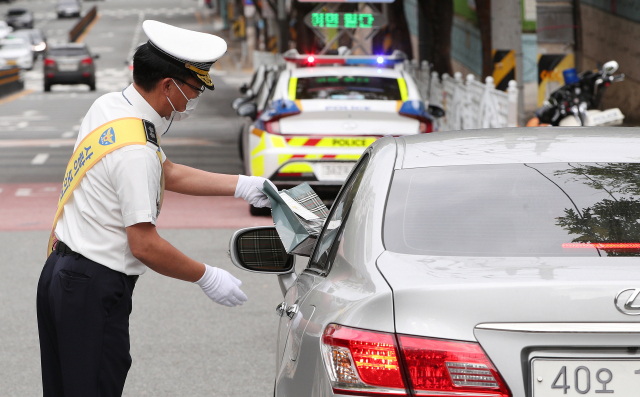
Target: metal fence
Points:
(469, 104)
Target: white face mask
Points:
(191, 106)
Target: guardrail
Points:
(469, 104)
(82, 24)
(10, 80)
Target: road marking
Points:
(68, 134)
(0, 190)
(13, 97)
(36, 142)
(40, 158)
(23, 192)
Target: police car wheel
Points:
(259, 211)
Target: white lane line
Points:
(40, 158)
(68, 134)
(23, 192)
(0, 190)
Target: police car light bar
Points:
(296, 58)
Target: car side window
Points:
(332, 231)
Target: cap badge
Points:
(202, 74)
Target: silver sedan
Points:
(475, 263)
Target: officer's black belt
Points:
(64, 249)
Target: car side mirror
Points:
(244, 88)
(610, 67)
(436, 111)
(238, 102)
(249, 109)
(96, 56)
(260, 250)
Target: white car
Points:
(5, 29)
(314, 120)
(16, 52)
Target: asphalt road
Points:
(182, 343)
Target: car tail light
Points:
(279, 109)
(87, 61)
(362, 362)
(49, 62)
(436, 366)
(272, 127)
(426, 126)
(50, 75)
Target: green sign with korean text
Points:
(345, 20)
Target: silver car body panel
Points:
(354, 293)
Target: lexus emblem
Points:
(625, 300)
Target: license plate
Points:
(333, 171)
(606, 117)
(12, 62)
(584, 377)
(68, 68)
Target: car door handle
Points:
(281, 308)
(292, 311)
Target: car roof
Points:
(520, 145)
(345, 71)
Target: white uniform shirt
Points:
(120, 190)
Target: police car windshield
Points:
(348, 87)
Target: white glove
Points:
(247, 188)
(221, 287)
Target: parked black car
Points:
(70, 63)
(19, 18)
(68, 8)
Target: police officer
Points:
(104, 235)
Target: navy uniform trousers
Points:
(83, 322)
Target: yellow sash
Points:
(100, 142)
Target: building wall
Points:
(607, 37)
(628, 9)
(466, 47)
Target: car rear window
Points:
(13, 13)
(554, 209)
(348, 87)
(16, 45)
(68, 52)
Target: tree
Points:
(483, 9)
(438, 18)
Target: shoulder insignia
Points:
(150, 131)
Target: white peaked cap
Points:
(195, 51)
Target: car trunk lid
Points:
(348, 118)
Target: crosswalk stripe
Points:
(23, 192)
(40, 158)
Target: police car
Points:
(319, 113)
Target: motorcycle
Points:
(577, 102)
